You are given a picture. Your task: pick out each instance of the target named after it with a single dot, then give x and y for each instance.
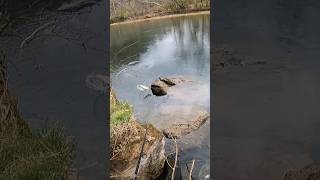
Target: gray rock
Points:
(180, 130)
(123, 165)
(161, 86)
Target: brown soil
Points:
(161, 15)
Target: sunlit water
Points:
(142, 52)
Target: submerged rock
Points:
(180, 130)
(160, 86)
(176, 121)
(310, 172)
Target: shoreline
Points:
(157, 17)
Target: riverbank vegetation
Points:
(129, 141)
(121, 112)
(122, 10)
(25, 153)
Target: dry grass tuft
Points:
(25, 154)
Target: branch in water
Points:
(31, 36)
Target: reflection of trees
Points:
(128, 41)
(191, 36)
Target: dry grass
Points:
(121, 124)
(121, 10)
(120, 112)
(27, 154)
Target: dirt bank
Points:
(161, 16)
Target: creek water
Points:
(48, 74)
(266, 118)
(142, 52)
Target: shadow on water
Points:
(50, 54)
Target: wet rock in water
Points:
(125, 155)
(176, 121)
(310, 172)
(180, 130)
(160, 86)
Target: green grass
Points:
(25, 154)
(43, 155)
(121, 112)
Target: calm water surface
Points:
(48, 75)
(267, 117)
(141, 52)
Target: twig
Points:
(31, 36)
(126, 47)
(190, 175)
(151, 2)
(175, 161)
(140, 156)
(169, 163)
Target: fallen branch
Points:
(151, 2)
(175, 161)
(140, 156)
(31, 36)
(4, 25)
(190, 175)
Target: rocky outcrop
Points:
(127, 140)
(180, 130)
(176, 121)
(160, 86)
(310, 172)
(180, 116)
(126, 153)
